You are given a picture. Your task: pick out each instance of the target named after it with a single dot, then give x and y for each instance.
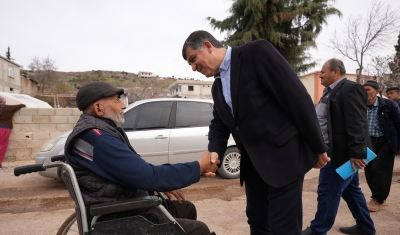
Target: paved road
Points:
(31, 204)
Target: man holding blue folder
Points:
(342, 115)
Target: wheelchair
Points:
(77, 222)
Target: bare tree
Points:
(395, 65)
(379, 69)
(366, 35)
(43, 71)
(379, 66)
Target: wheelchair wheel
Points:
(69, 227)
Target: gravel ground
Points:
(220, 203)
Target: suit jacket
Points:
(274, 124)
(347, 122)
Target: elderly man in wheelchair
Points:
(108, 168)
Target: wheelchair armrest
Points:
(124, 205)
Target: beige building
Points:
(10, 79)
(191, 89)
(312, 82)
(145, 74)
(29, 86)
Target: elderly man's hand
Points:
(323, 159)
(208, 163)
(178, 194)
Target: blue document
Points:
(345, 170)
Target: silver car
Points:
(165, 130)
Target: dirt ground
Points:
(220, 203)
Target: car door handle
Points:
(160, 137)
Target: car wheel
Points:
(230, 165)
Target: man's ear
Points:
(98, 109)
(208, 46)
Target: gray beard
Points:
(116, 117)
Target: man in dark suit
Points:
(342, 115)
(260, 100)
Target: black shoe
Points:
(307, 231)
(353, 230)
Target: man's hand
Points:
(361, 163)
(323, 159)
(208, 163)
(178, 194)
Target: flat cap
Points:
(372, 83)
(393, 89)
(94, 91)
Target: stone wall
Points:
(34, 126)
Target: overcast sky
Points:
(130, 35)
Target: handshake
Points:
(208, 163)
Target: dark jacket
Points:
(96, 189)
(347, 122)
(274, 123)
(389, 122)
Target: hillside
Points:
(61, 87)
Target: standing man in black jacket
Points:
(260, 100)
(384, 129)
(342, 115)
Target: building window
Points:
(10, 71)
(11, 89)
(190, 88)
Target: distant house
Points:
(191, 89)
(144, 74)
(10, 79)
(312, 82)
(29, 86)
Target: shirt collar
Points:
(333, 85)
(226, 63)
(376, 103)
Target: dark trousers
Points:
(273, 211)
(185, 214)
(380, 170)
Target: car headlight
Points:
(48, 145)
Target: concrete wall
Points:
(34, 126)
(28, 86)
(308, 82)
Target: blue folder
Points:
(345, 170)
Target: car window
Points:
(193, 114)
(154, 115)
(130, 119)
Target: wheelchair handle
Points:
(58, 158)
(28, 169)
